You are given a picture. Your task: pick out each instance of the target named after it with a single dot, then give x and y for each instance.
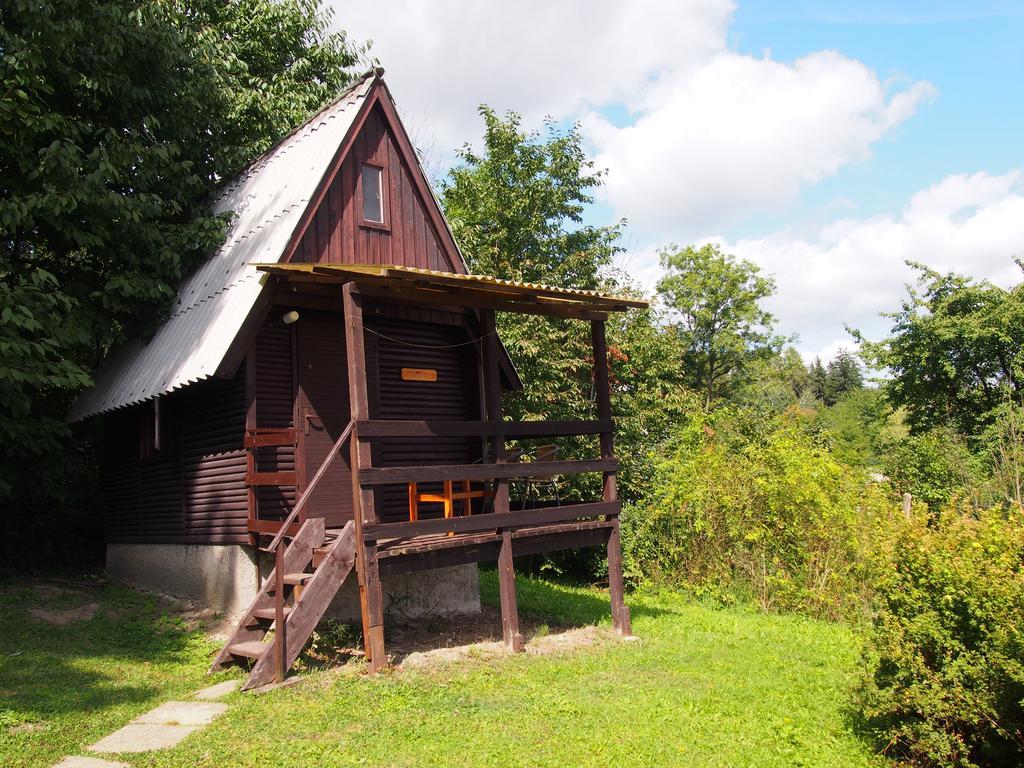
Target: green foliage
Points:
(777, 382)
(945, 680)
(935, 467)
(954, 347)
(721, 324)
(755, 504)
(842, 377)
(118, 120)
(516, 208)
(1004, 454)
(859, 426)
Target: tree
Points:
(819, 379)
(842, 377)
(118, 120)
(717, 300)
(955, 350)
(778, 382)
(515, 207)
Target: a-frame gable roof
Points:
(269, 201)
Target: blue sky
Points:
(826, 142)
(971, 52)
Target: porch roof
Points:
(449, 288)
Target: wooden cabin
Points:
(326, 397)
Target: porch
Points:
(489, 527)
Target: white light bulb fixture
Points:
(289, 317)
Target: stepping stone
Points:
(182, 713)
(142, 737)
(218, 691)
(162, 727)
(89, 762)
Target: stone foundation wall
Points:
(226, 578)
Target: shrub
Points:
(936, 467)
(756, 505)
(945, 679)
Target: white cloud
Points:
(854, 269)
(712, 135)
(738, 135)
(445, 57)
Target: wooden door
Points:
(322, 412)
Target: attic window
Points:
(373, 194)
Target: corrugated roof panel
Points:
(212, 304)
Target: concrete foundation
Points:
(226, 578)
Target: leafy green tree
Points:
(517, 206)
(955, 348)
(819, 379)
(118, 119)
(777, 382)
(717, 300)
(841, 377)
(859, 426)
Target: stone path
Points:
(162, 727)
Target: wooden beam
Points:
(478, 472)
(362, 499)
(492, 521)
(616, 589)
(525, 541)
(507, 587)
(384, 429)
(405, 293)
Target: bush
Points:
(945, 680)
(935, 467)
(757, 506)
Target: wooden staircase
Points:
(277, 625)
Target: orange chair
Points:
(448, 497)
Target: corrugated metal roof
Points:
(213, 303)
(499, 287)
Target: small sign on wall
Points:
(419, 374)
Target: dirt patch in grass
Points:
(62, 616)
(439, 641)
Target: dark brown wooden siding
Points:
(394, 344)
(408, 238)
(191, 492)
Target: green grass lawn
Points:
(703, 687)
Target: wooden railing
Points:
(383, 429)
(275, 546)
(493, 521)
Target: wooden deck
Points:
(406, 554)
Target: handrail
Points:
(312, 485)
(383, 429)
(280, 626)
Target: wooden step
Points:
(319, 555)
(251, 649)
(297, 579)
(270, 613)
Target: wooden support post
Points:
(367, 573)
(507, 587)
(374, 611)
(506, 570)
(620, 611)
